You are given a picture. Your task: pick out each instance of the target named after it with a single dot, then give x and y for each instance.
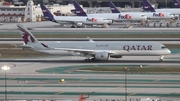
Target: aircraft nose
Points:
(168, 51)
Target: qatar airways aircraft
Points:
(150, 15)
(118, 17)
(147, 7)
(74, 20)
(92, 50)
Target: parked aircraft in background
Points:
(176, 3)
(147, 7)
(118, 17)
(92, 50)
(150, 15)
(113, 8)
(74, 20)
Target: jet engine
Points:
(102, 56)
(110, 22)
(79, 24)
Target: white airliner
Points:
(147, 7)
(74, 20)
(92, 50)
(150, 15)
(118, 17)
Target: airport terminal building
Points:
(29, 10)
(103, 3)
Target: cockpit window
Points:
(163, 47)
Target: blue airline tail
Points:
(147, 6)
(113, 8)
(47, 14)
(176, 3)
(78, 10)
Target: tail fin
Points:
(29, 39)
(47, 14)
(113, 8)
(27, 36)
(176, 3)
(78, 10)
(147, 6)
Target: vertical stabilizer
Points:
(176, 3)
(27, 36)
(113, 8)
(29, 39)
(78, 10)
(47, 14)
(147, 6)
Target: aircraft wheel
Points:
(72, 26)
(167, 24)
(161, 58)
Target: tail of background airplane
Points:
(176, 4)
(29, 39)
(147, 6)
(78, 10)
(47, 14)
(113, 8)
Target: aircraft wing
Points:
(84, 51)
(72, 22)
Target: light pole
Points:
(22, 82)
(5, 68)
(125, 72)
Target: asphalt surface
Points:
(24, 76)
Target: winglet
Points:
(147, 6)
(113, 8)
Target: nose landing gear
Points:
(161, 58)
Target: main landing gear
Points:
(73, 26)
(161, 58)
(89, 60)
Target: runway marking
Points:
(156, 80)
(96, 65)
(83, 79)
(132, 94)
(58, 93)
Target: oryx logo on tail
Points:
(26, 35)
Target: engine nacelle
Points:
(110, 22)
(79, 24)
(102, 56)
